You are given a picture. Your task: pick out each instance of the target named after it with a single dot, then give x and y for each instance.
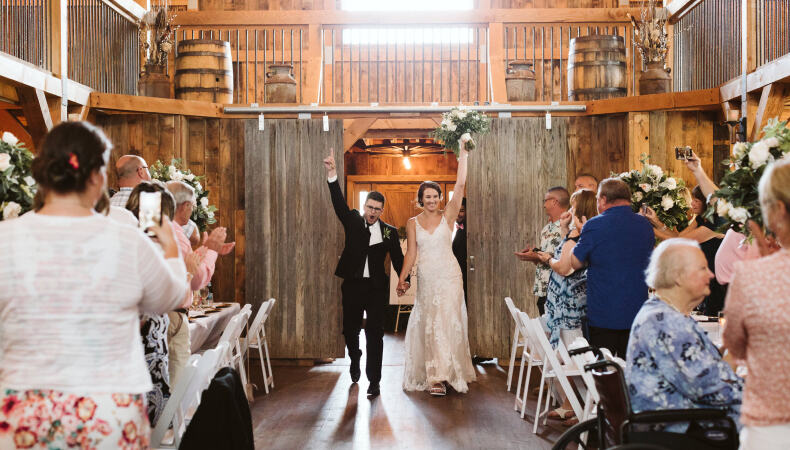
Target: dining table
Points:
(207, 324)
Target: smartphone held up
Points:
(684, 153)
(150, 213)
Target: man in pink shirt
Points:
(213, 246)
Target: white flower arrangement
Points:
(659, 191)
(737, 199)
(17, 186)
(203, 214)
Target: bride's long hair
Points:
(428, 185)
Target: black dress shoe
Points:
(373, 390)
(355, 372)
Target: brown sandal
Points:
(438, 390)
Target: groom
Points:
(362, 267)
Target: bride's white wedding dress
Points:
(437, 338)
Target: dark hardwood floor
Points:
(318, 407)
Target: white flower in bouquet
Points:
(204, 202)
(759, 154)
(722, 207)
(11, 210)
(646, 187)
(30, 181)
(190, 177)
(670, 183)
(638, 197)
(5, 161)
(210, 215)
(10, 139)
(667, 202)
(198, 187)
(624, 175)
(171, 172)
(655, 170)
(771, 142)
(738, 214)
(738, 150)
(452, 127)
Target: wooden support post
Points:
(34, 104)
(748, 48)
(496, 47)
(771, 105)
(58, 46)
(313, 62)
(638, 138)
(10, 124)
(355, 130)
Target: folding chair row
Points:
(256, 339)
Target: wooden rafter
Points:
(777, 70)
(355, 129)
(37, 114)
(9, 123)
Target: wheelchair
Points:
(617, 426)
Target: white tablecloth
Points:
(204, 332)
(714, 331)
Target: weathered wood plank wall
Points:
(295, 238)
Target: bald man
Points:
(131, 170)
(586, 181)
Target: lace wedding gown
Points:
(437, 338)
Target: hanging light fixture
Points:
(406, 162)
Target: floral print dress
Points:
(566, 301)
(54, 420)
(672, 364)
(154, 333)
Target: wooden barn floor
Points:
(318, 407)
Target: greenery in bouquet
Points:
(457, 122)
(203, 214)
(737, 196)
(17, 186)
(659, 191)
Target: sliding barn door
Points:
(293, 238)
(508, 176)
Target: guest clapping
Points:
(70, 354)
(615, 246)
(555, 202)
(671, 362)
(757, 310)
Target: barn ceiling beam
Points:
(771, 105)
(37, 113)
(355, 129)
(9, 123)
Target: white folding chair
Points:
(185, 397)
(231, 335)
(553, 369)
(256, 339)
(591, 398)
(531, 356)
(519, 340)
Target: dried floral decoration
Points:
(651, 35)
(156, 34)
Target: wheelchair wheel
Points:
(572, 439)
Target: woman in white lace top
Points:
(73, 285)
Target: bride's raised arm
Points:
(454, 205)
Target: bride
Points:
(437, 341)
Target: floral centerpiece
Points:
(458, 122)
(737, 197)
(659, 191)
(17, 186)
(203, 214)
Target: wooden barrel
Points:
(204, 71)
(597, 68)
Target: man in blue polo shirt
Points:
(615, 246)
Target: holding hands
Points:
(403, 286)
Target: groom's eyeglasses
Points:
(373, 208)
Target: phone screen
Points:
(150, 212)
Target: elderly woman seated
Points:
(671, 362)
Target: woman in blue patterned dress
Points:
(566, 300)
(671, 362)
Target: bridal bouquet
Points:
(458, 122)
(651, 186)
(17, 186)
(203, 214)
(737, 195)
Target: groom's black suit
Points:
(361, 293)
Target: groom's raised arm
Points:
(338, 201)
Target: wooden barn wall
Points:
(307, 5)
(210, 147)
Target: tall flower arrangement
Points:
(156, 35)
(17, 186)
(659, 191)
(457, 122)
(650, 35)
(738, 199)
(203, 214)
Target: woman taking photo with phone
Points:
(71, 364)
